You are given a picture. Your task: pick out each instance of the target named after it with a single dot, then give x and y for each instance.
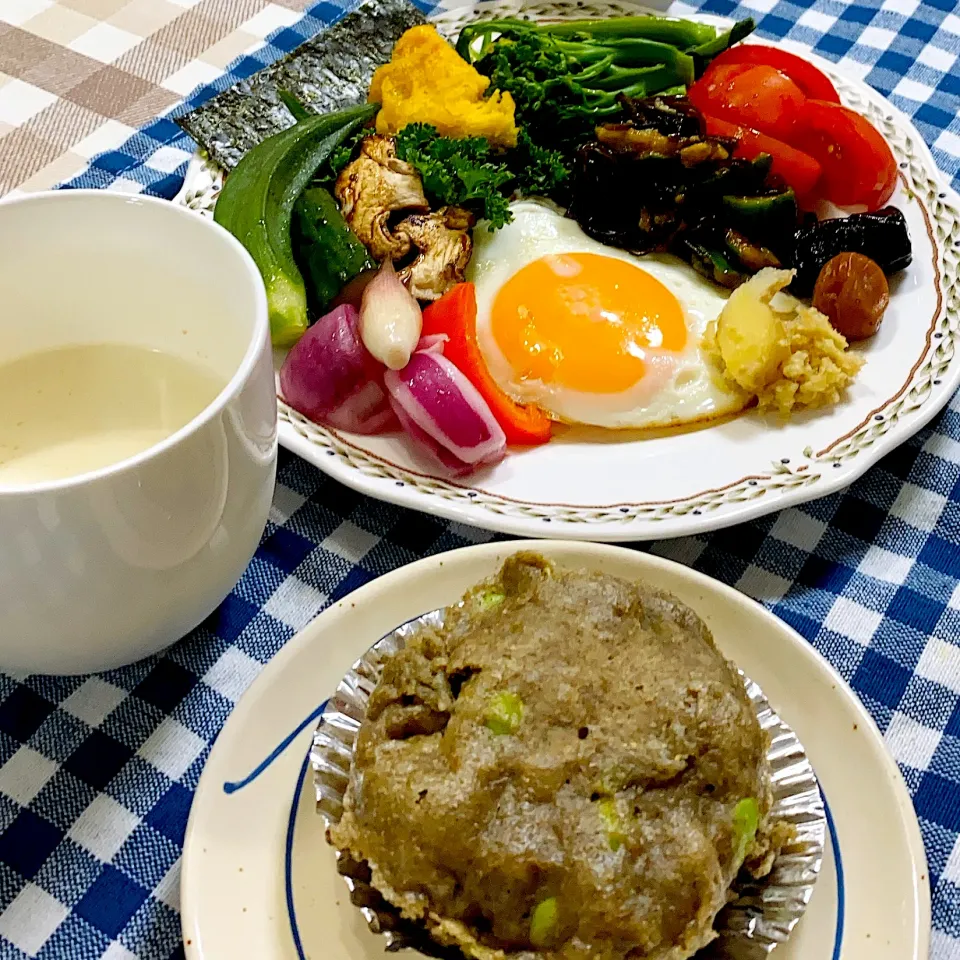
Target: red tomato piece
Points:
(753, 95)
(455, 316)
(859, 168)
(798, 169)
(805, 75)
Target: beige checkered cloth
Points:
(78, 76)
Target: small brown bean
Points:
(852, 291)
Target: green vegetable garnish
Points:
(459, 172)
(539, 170)
(256, 206)
(504, 714)
(341, 156)
(543, 921)
(467, 173)
(703, 54)
(746, 821)
(674, 31)
(490, 599)
(607, 808)
(347, 151)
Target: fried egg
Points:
(592, 334)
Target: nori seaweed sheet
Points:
(331, 71)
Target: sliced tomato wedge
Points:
(798, 169)
(806, 76)
(859, 168)
(754, 95)
(455, 315)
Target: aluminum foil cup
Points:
(764, 913)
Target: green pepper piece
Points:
(766, 219)
(543, 921)
(750, 255)
(607, 808)
(504, 714)
(714, 265)
(746, 822)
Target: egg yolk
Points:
(584, 321)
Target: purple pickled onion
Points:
(330, 377)
(425, 442)
(443, 411)
(364, 411)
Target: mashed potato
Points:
(777, 349)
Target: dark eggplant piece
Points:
(625, 200)
(749, 254)
(714, 265)
(881, 236)
(655, 182)
(671, 116)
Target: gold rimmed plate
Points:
(642, 487)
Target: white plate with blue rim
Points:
(601, 486)
(259, 879)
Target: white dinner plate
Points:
(259, 880)
(609, 485)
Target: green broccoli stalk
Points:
(566, 78)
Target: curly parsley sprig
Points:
(459, 172)
(467, 173)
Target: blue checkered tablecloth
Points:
(97, 773)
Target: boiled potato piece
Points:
(779, 350)
(751, 337)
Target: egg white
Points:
(677, 387)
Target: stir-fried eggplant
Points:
(672, 116)
(656, 182)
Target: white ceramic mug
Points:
(105, 568)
